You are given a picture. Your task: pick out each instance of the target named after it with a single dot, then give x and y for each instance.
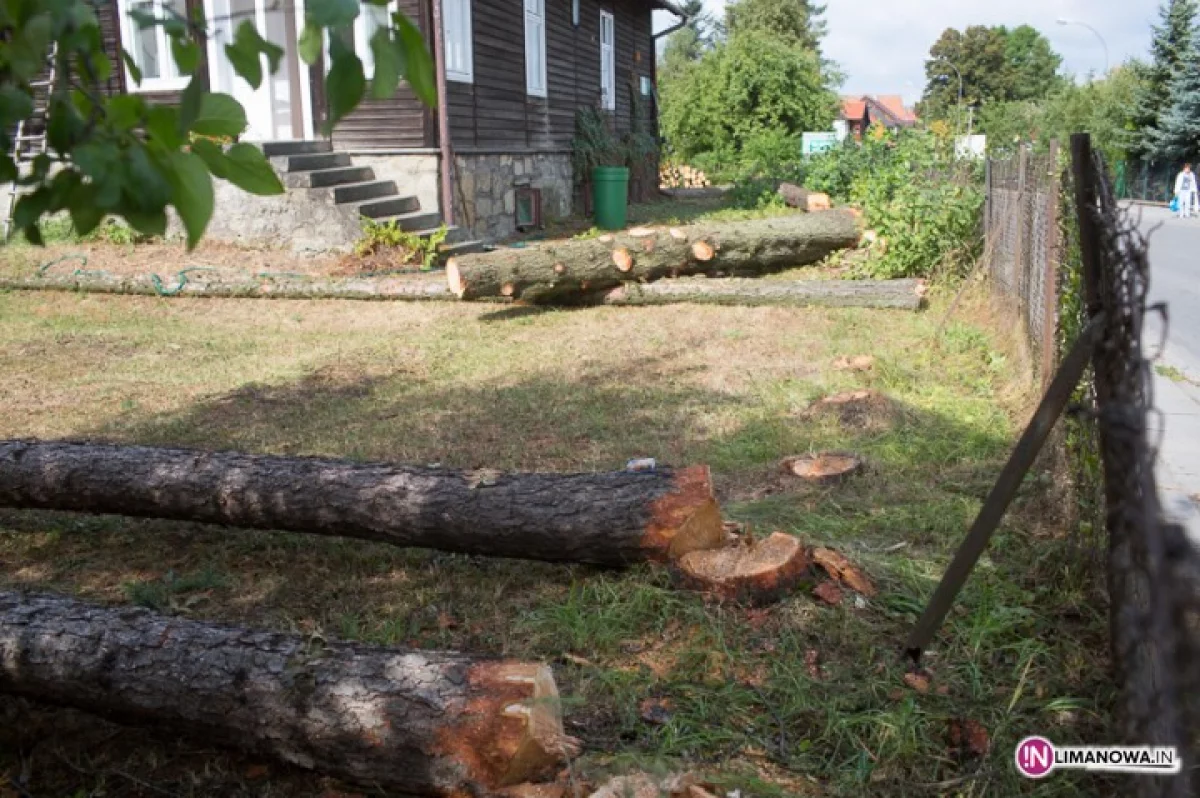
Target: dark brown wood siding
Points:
(398, 123)
(494, 112)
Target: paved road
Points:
(1175, 280)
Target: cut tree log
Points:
(899, 294)
(424, 723)
(754, 573)
(408, 287)
(798, 197)
(573, 270)
(609, 519)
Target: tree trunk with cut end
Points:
(610, 519)
(798, 197)
(899, 294)
(424, 723)
(575, 270)
(408, 287)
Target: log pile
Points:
(682, 176)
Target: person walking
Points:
(1185, 191)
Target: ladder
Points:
(26, 145)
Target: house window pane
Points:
(457, 28)
(145, 43)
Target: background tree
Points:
(688, 44)
(121, 156)
(1177, 137)
(798, 21)
(997, 66)
(1032, 64)
(1172, 41)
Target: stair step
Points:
(312, 161)
(389, 206)
(461, 248)
(322, 178)
(274, 149)
(420, 222)
(359, 192)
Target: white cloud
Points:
(882, 44)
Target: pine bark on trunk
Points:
(424, 723)
(573, 271)
(901, 294)
(609, 519)
(407, 287)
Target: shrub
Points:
(402, 247)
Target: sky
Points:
(882, 44)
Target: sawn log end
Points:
(686, 519)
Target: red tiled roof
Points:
(894, 103)
(853, 108)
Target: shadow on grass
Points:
(740, 686)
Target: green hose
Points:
(79, 256)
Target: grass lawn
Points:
(797, 699)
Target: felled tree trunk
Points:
(414, 287)
(901, 294)
(798, 197)
(418, 722)
(572, 270)
(610, 519)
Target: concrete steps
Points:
(331, 176)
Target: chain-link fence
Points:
(1021, 222)
(1150, 182)
(1087, 266)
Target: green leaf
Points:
(145, 188)
(310, 44)
(8, 169)
(246, 51)
(150, 223)
(248, 169)
(143, 19)
(331, 13)
(418, 65)
(64, 126)
(345, 84)
(191, 105)
(220, 115)
(31, 207)
(125, 111)
(96, 158)
(389, 64)
(163, 125)
(85, 211)
(213, 156)
(186, 54)
(134, 71)
(15, 105)
(191, 193)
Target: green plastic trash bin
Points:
(610, 195)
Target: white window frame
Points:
(608, 62)
(173, 80)
(364, 29)
(535, 34)
(457, 30)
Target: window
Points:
(456, 24)
(150, 48)
(608, 63)
(370, 19)
(535, 47)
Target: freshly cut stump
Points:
(757, 573)
(858, 410)
(411, 722)
(826, 468)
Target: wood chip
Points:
(829, 592)
(578, 660)
(855, 363)
(841, 569)
(917, 680)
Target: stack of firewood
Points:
(672, 175)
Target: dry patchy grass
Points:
(574, 390)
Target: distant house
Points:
(859, 113)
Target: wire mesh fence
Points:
(1061, 269)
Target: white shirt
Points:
(1185, 182)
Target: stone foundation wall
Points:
(485, 197)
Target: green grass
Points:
(466, 386)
